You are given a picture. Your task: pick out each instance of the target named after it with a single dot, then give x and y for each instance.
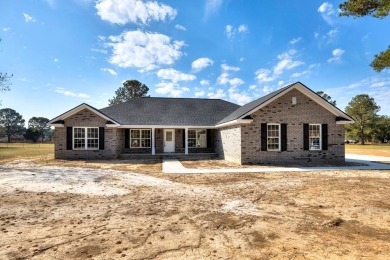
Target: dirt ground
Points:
(130, 210)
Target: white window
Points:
(273, 137)
(140, 138)
(315, 137)
(85, 137)
(197, 138)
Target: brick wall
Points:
(228, 143)
(86, 118)
(282, 111)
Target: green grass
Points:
(369, 149)
(20, 150)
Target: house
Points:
(291, 125)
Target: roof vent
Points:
(294, 100)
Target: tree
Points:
(130, 89)
(375, 8)
(31, 135)
(382, 128)
(12, 122)
(38, 126)
(326, 97)
(362, 108)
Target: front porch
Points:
(180, 156)
(165, 142)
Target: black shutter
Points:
(305, 136)
(127, 138)
(284, 137)
(208, 138)
(184, 138)
(264, 137)
(69, 138)
(324, 137)
(101, 138)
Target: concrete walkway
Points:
(175, 166)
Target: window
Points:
(85, 138)
(315, 137)
(197, 138)
(273, 137)
(140, 138)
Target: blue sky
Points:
(66, 52)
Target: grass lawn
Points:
(368, 149)
(17, 150)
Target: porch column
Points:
(153, 141)
(186, 140)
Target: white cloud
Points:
(238, 96)
(219, 94)
(286, 62)
(56, 60)
(327, 11)
(180, 27)
(231, 32)
(143, 50)
(170, 89)
(70, 93)
(305, 72)
(280, 83)
(296, 40)
(111, 71)
(252, 87)
(224, 79)
(242, 59)
(264, 75)
(204, 82)
(337, 53)
(201, 63)
(200, 93)
(226, 67)
(174, 75)
(100, 51)
(212, 6)
(267, 89)
(242, 28)
(332, 33)
(316, 35)
(6, 29)
(133, 11)
(28, 18)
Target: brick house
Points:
(290, 125)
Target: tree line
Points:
(12, 124)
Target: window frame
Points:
(140, 138)
(279, 138)
(319, 137)
(85, 138)
(196, 139)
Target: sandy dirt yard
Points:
(55, 210)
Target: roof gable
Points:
(59, 119)
(257, 104)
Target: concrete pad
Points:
(175, 166)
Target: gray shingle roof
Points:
(170, 111)
(252, 105)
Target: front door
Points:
(169, 140)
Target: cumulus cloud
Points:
(226, 67)
(336, 53)
(204, 82)
(200, 93)
(219, 94)
(70, 93)
(6, 29)
(28, 18)
(170, 89)
(231, 32)
(133, 11)
(143, 50)
(111, 71)
(327, 12)
(224, 79)
(238, 96)
(180, 27)
(56, 60)
(201, 63)
(286, 61)
(305, 72)
(174, 75)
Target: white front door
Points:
(169, 140)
